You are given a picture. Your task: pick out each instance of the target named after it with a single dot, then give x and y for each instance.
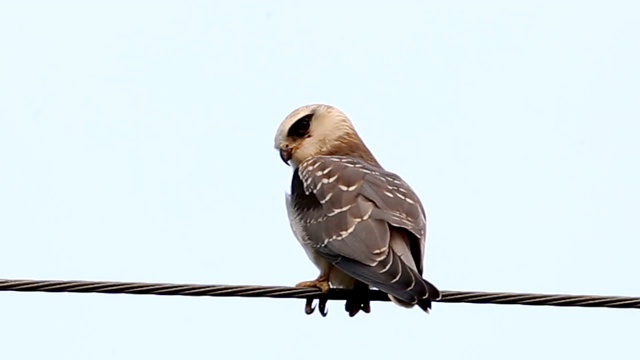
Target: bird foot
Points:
(324, 286)
(358, 300)
(320, 283)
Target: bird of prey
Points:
(361, 225)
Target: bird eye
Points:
(301, 127)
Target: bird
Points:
(361, 225)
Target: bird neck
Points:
(351, 145)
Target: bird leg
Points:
(322, 283)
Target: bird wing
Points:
(370, 224)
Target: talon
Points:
(366, 307)
(308, 307)
(322, 306)
(321, 283)
(358, 300)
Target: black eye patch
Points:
(300, 128)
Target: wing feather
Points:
(371, 225)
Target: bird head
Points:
(315, 130)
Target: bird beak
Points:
(285, 155)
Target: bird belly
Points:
(339, 279)
(298, 230)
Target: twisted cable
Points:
(471, 297)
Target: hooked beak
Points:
(285, 155)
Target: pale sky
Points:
(136, 144)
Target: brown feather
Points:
(350, 144)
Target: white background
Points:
(136, 144)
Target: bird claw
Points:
(309, 308)
(321, 283)
(322, 306)
(358, 300)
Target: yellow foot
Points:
(324, 286)
(320, 283)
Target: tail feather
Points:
(401, 282)
(423, 303)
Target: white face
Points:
(325, 126)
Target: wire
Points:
(140, 288)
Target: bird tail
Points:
(404, 285)
(424, 302)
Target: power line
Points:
(472, 297)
